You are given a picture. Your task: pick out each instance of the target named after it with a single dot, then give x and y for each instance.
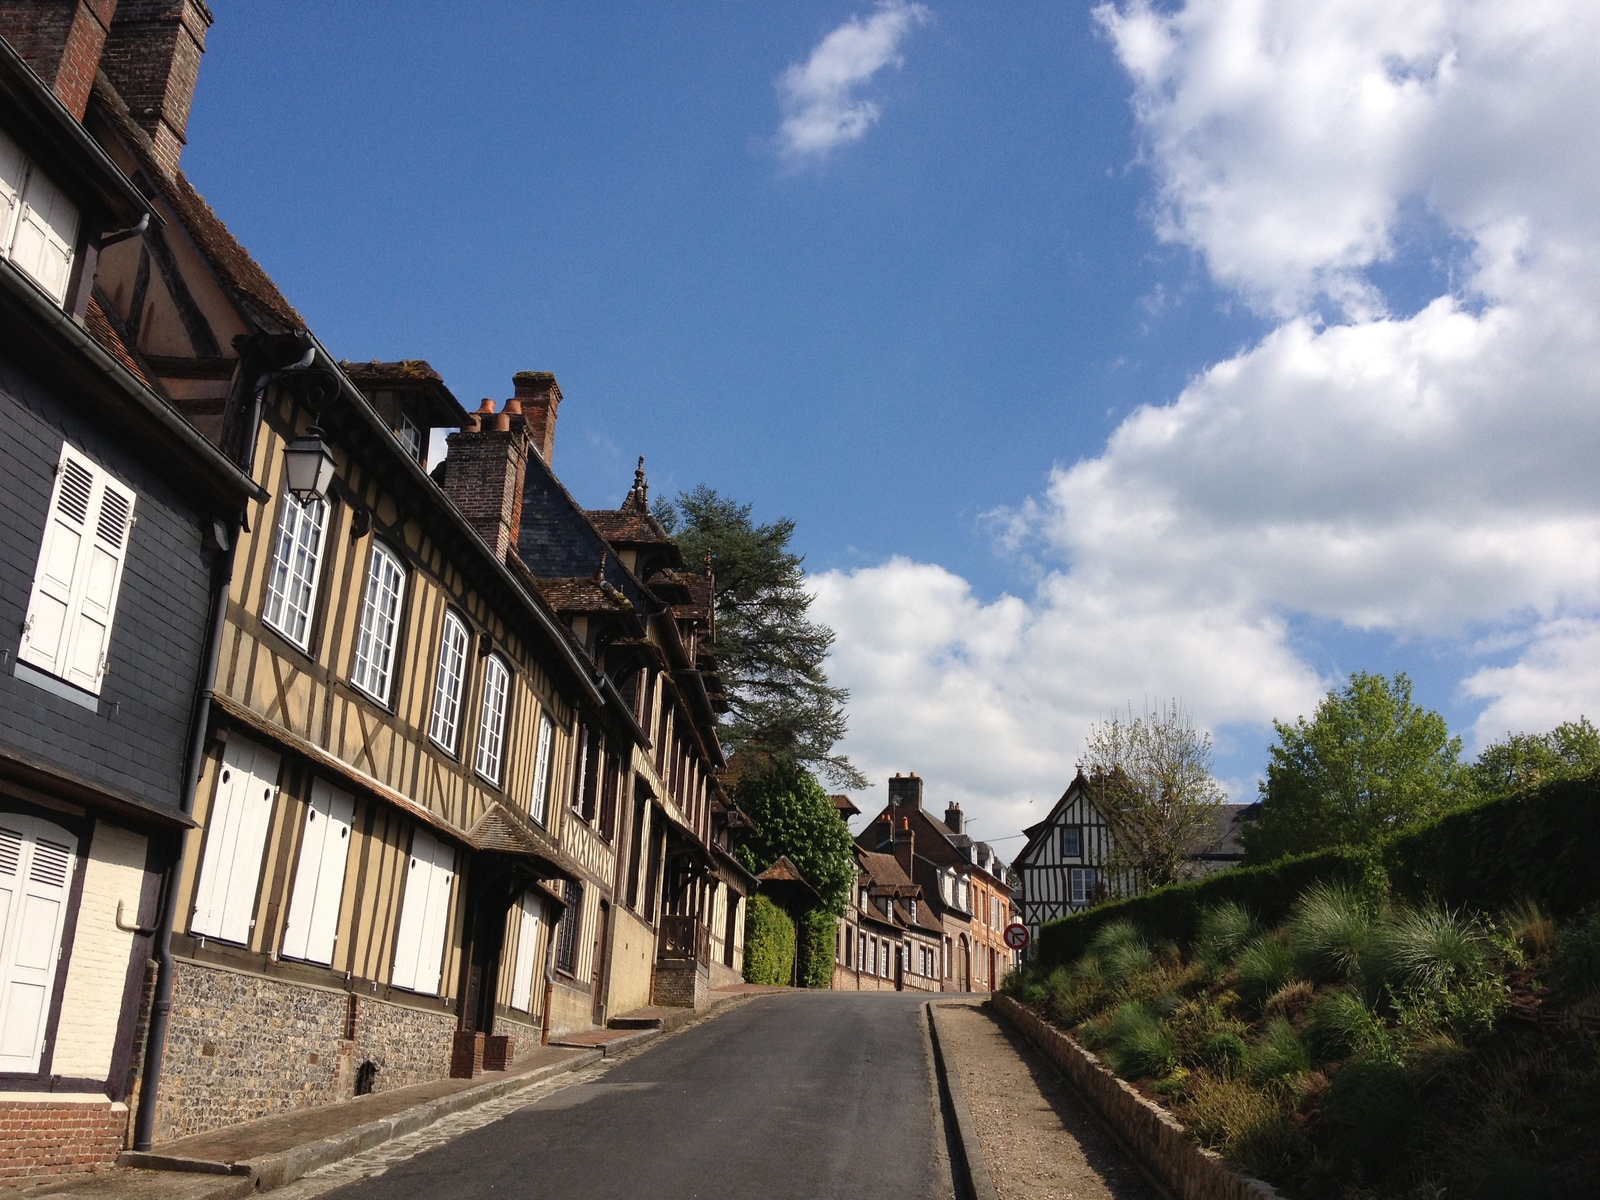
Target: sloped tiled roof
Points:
(250, 287)
(103, 331)
(626, 528)
(580, 594)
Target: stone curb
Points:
(268, 1171)
(1150, 1131)
(979, 1184)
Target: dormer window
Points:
(38, 224)
(410, 435)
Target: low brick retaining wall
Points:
(1192, 1172)
(58, 1135)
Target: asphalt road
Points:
(822, 1094)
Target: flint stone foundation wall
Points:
(243, 1046)
(1192, 1172)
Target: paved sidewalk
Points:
(1040, 1139)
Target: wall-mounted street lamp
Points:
(310, 464)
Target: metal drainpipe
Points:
(161, 1009)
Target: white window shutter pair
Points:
(236, 836)
(36, 864)
(87, 529)
(319, 878)
(424, 913)
(526, 963)
(38, 224)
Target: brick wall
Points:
(681, 986)
(242, 1046)
(153, 59)
(59, 1135)
(61, 40)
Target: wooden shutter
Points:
(236, 835)
(319, 877)
(13, 169)
(68, 628)
(540, 800)
(527, 945)
(36, 864)
(47, 231)
(424, 913)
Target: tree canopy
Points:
(1369, 761)
(1150, 776)
(1524, 760)
(769, 653)
(794, 816)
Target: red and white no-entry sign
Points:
(1017, 937)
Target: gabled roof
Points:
(886, 877)
(845, 805)
(1039, 831)
(248, 286)
(415, 377)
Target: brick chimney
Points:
(540, 396)
(153, 60)
(62, 41)
(906, 792)
(484, 468)
(952, 818)
(905, 841)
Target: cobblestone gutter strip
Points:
(979, 1184)
(1192, 1172)
(268, 1171)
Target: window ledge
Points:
(59, 688)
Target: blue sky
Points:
(930, 343)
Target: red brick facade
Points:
(62, 42)
(57, 1136)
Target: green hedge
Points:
(819, 932)
(1169, 913)
(1542, 844)
(768, 943)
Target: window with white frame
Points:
(296, 566)
(1082, 885)
(410, 437)
(861, 950)
(492, 718)
(380, 623)
(1072, 841)
(965, 901)
(38, 224)
(544, 752)
(67, 631)
(448, 683)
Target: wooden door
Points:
(36, 864)
(597, 970)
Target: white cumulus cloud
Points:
(1429, 476)
(818, 98)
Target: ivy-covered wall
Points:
(769, 943)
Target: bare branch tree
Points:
(1150, 776)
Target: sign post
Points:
(1017, 936)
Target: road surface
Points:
(802, 1095)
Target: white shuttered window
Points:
(36, 862)
(68, 628)
(446, 719)
(296, 565)
(424, 913)
(319, 878)
(539, 801)
(492, 719)
(526, 963)
(236, 835)
(38, 224)
(380, 624)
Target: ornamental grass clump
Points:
(1135, 1043)
(1263, 967)
(1224, 930)
(1278, 1054)
(1244, 1123)
(1330, 928)
(1575, 960)
(1425, 950)
(1341, 1025)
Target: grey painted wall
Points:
(135, 740)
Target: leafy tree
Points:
(1524, 760)
(1150, 776)
(794, 816)
(1370, 761)
(769, 653)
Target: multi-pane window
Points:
(1072, 841)
(539, 801)
(296, 564)
(492, 719)
(380, 624)
(38, 224)
(1082, 885)
(446, 720)
(410, 437)
(567, 930)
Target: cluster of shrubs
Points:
(1358, 1048)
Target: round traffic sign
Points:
(1017, 937)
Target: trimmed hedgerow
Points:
(819, 931)
(768, 943)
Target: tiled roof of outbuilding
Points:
(103, 331)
